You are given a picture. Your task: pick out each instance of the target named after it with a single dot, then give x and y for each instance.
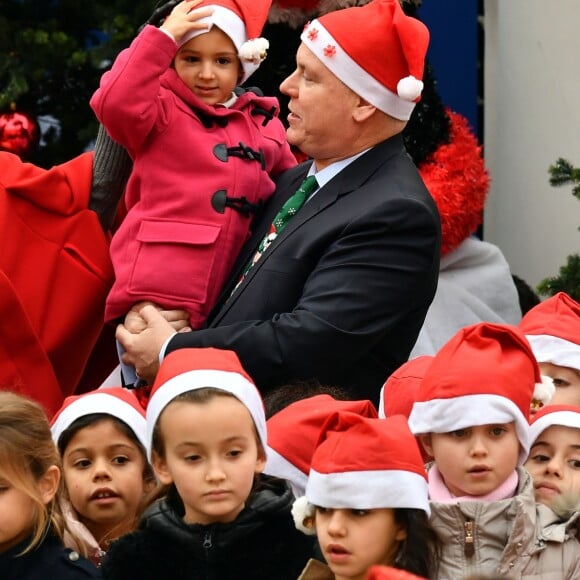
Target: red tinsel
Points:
(458, 180)
(19, 133)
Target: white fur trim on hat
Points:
(558, 351)
(368, 490)
(232, 382)
(279, 466)
(354, 76)
(302, 512)
(100, 402)
(561, 418)
(446, 415)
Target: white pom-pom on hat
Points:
(409, 88)
(303, 514)
(543, 392)
(254, 50)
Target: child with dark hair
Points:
(553, 330)
(32, 527)
(366, 500)
(101, 439)
(218, 517)
(471, 415)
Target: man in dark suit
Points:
(341, 293)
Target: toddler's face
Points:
(353, 540)
(554, 463)
(209, 65)
(475, 460)
(567, 383)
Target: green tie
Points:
(287, 211)
(291, 207)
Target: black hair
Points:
(419, 553)
(280, 397)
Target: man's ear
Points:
(48, 484)
(160, 467)
(425, 440)
(363, 111)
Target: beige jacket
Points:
(315, 570)
(513, 537)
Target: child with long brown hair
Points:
(101, 438)
(32, 526)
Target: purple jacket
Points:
(197, 172)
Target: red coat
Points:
(177, 244)
(55, 273)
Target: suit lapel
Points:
(349, 179)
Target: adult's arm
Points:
(368, 282)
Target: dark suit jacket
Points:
(341, 294)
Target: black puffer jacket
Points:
(262, 543)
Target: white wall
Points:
(532, 117)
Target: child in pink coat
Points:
(205, 153)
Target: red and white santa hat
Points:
(115, 401)
(554, 415)
(365, 463)
(189, 369)
(400, 389)
(294, 432)
(486, 373)
(242, 21)
(552, 327)
(376, 50)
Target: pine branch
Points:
(562, 173)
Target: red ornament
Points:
(19, 133)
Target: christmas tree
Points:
(568, 278)
(52, 55)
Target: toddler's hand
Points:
(185, 19)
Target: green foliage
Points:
(563, 173)
(568, 279)
(52, 55)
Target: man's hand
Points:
(142, 349)
(135, 323)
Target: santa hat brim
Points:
(279, 466)
(100, 402)
(229, 381)
(555, 350)
(446, 415)
(368, 490)
(559, 418)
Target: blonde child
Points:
(553, 331)
(472, 413)
(366, 500)
(31, 523)
(101, 436)
(205, 153)
(219, 516)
